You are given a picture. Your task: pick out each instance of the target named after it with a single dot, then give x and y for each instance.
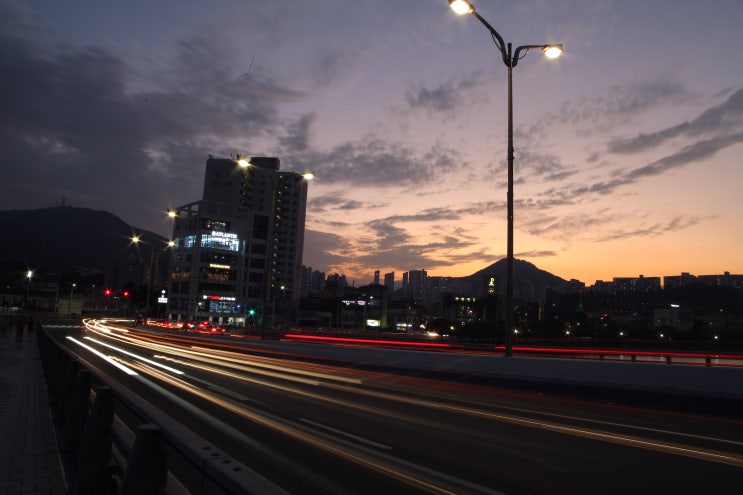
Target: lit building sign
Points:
(220, 240)
(220, 298)
(215, 265)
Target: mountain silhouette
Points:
(529, 282)
(69, 239)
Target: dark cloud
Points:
(297, 138)
(333, 251)
(444, 98)
(533, 165)
(535, 254)
(337, 201)
(427, 215)
(726, 118)
(604, 226)
(693, 153)
(81, 123)
(615, 106)
(378, 162)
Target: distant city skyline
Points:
(686, 276)
(627, 148)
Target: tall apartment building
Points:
(239, 250)
(389, 282)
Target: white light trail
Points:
(109, 359)
(136, 356)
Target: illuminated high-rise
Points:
(238, 252)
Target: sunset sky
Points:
(628, 148)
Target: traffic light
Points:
(107, 292)
(125, 293)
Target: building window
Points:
(218, 274)
(181, 274)
(189, 241)
(260, 226)
(217, 225)
(220, 240)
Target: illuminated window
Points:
(218, 274)
(189, 241)
(181, 274)
(219, 240)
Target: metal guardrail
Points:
(634, 355)
(706, 358)
(113, 442)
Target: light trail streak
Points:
(356, 453)
(356, 341)
(231, 359)
(108, 359)
(225, 358)
(102, 326)
(136, 356)
(224, 372)
(708, 455)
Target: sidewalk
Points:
(29, 458)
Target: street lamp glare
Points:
(243, 163)
(172, 213)
(552, 51)
(461, 7)
(29, 274)
(135, 239)
(308, 175)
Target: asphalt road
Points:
(314, 425)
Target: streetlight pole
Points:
(136, 240)
(69, 301)
(29, 274)
(510, 59)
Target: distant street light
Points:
(510, 59)
(29, 274)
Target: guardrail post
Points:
(93, 476)
(668, 359)
(76, 411)
(708, 361)
(63, 387)
(146, 472)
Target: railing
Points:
(665, 356)
(634, 355)
(113, 442)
